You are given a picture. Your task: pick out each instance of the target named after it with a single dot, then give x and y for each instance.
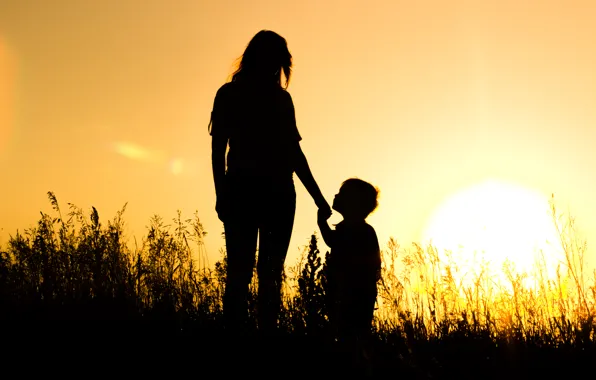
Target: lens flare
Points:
(176, 166)
(8, 68)
(138, 153)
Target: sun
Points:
(494, 221)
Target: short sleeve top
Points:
(355, 259)
(260, 125)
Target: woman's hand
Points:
(323, 214)
(222, 208)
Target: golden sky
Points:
(107, 102)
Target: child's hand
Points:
(324, 213)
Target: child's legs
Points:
(275, 233)
(353, 324)
(356, 315)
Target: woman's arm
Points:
(300, 163)
(219, 143)
(327, 233)
(218, 162)
(305, 175)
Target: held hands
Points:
(324, 212)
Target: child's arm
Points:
(327, 233)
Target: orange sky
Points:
(108, 102)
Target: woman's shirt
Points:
(260, 125)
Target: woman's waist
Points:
(260, 160)
(250, 181)
(261, 172)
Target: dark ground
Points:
(140, 348)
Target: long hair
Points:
(265, 58)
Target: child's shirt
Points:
(354, 263)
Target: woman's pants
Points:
(264, 209)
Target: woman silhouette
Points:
(254, 114)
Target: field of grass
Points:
(73, 286)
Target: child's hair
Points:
(365, 196)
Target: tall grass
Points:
(74, 266)
(555, 311)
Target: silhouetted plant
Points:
(310, 297)
(78, 267)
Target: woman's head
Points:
(265, 58)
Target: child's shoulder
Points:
(369, 228)
(356, 228)
(368, 233)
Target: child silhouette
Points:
(353, 265)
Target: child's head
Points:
(356, 198)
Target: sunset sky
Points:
(107, 102)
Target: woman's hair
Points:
(265, 57)
(364, 196)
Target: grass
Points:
(74, 285)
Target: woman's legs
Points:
(263, 208)
(241, 229)
(241, 244)
(275, 232)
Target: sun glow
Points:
(495, 222)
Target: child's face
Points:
(339, 201)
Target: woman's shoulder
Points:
(285, 94)
(230, 93)
(230, 88)
(226, 89)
